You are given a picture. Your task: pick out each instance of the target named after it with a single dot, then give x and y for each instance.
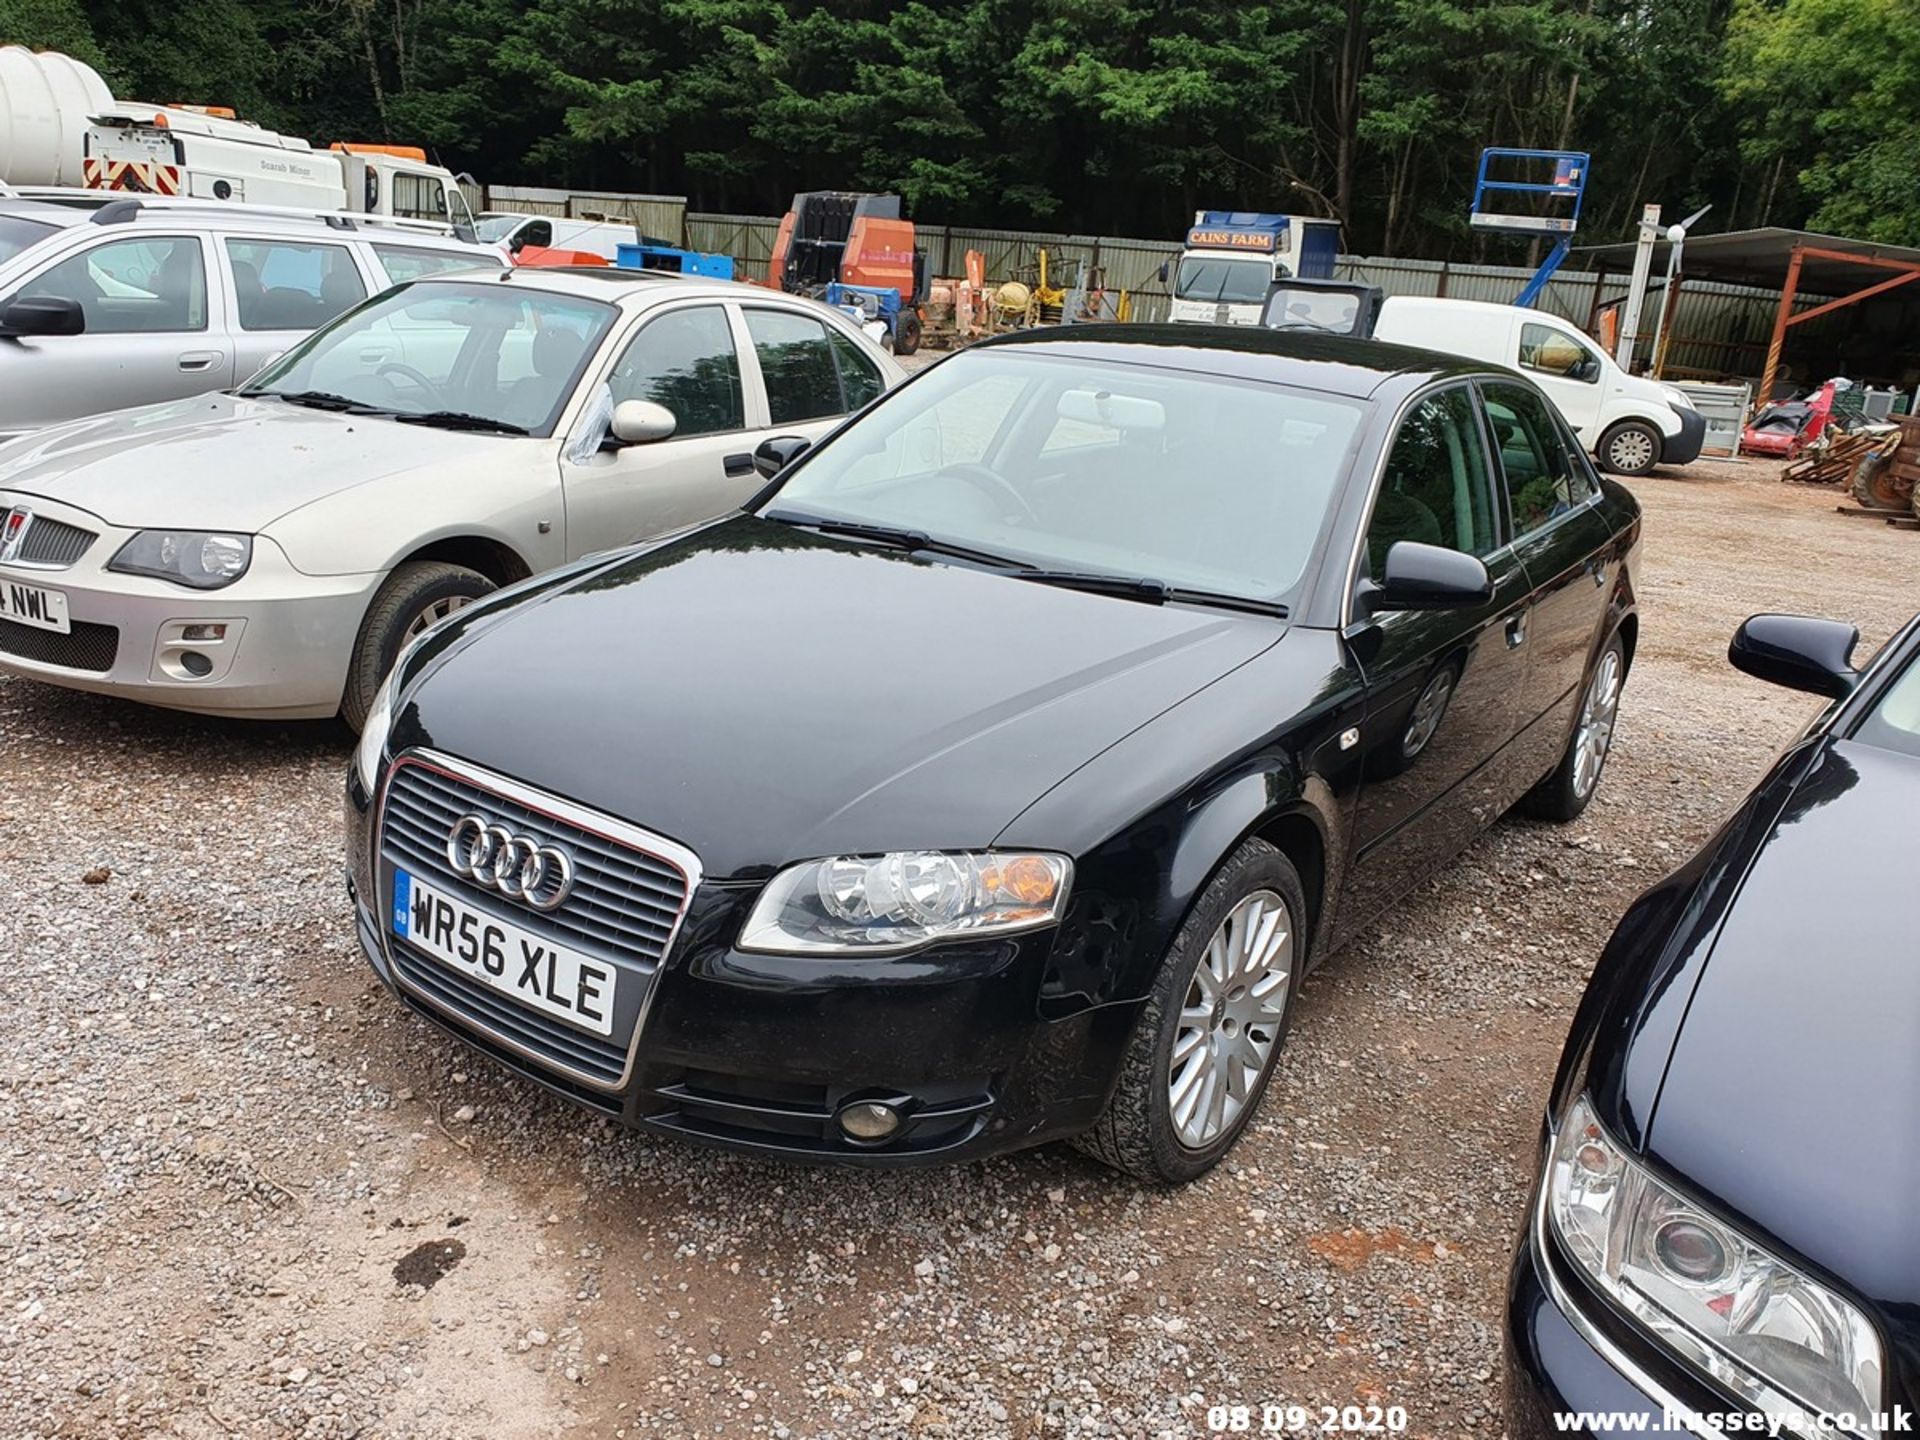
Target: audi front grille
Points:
(625, 907)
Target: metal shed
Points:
(1830, 271)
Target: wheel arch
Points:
(1298, 819)
(495, 559)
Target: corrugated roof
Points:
(1761, 257)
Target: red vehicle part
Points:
(543, 256)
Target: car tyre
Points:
(907, 336)
(414, 596)
(1630, 448)
(1141, 1131)
(1568, 790)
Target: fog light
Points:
(195, 664)
(869, 1121)
(204, 633)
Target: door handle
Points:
(738, 464)
(1516, 631)
(199, 360)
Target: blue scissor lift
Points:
(1566, 189)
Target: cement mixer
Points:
(46, 104)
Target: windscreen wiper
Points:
(318, 400)
(1150, 590)
(459, 420)
(900, 536)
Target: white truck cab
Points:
(174, 150)
(1233, 256)
(1629, 423)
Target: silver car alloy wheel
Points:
(1630, 451)
(1597, 713)
(433, 615)
(1230, 1020)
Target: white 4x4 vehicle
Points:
(112, 302)
(1629, 423)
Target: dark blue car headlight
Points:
(1756, 1325)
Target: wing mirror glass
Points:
(1430, 577)
(641, 422)
(774, 454)
(43, 315)
(1799, 652)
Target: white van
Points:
(518, 231)
(1630, 424)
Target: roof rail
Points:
(337, 219)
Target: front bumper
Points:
(283, 654)
(1684, 448)
(1567, 1356)
(761, 1053)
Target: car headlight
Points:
(1781, 1341)
(373, 736)
(884, 904)
(1679, 399)
(200, 559)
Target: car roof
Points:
(221, 215)
(611, 282)
(43, 211)
(1338, 364)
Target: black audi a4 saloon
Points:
(997, 773)
(1722, 1236)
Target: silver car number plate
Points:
(30, 605)
(501, 955)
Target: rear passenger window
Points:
(1544, 478)
(685, 360)
(802, 381)
(1437, 488)
(403, 263)
(147, 286)
(282, 286)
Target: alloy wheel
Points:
(1230, 1020)
(1631, 451)
(433, 615)
(1597, 715)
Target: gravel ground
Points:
(248, 1196)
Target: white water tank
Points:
(45, 102)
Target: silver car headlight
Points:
(1679, 399)
(199, 559)
(884, 904)
(1759, 1327)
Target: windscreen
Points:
(492, 229)
(17, 233)
(1894, 724)
(1222, 279)
(1197, 481)
(481, 352)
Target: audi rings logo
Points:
(495, 858)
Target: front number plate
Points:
(497, 953)
(30, 605)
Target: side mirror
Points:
(641, 422)
(1430, 577)
(777, 452)
(43, 315)
(1799, 652)
(1163, 272)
